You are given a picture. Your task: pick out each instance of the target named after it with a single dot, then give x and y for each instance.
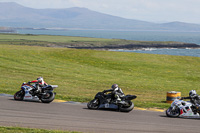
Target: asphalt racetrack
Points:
(76, 117)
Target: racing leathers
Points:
(117, 93)
(195, 100)
(37, 85)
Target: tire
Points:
(126, 108)
(49, 97)
(19, 95)
(94, 104)
(172, 113)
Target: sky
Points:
(158, 11)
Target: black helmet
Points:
(114, 86)
(192, 93)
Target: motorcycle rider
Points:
(38, 84)
(117, 92)
(194, 99)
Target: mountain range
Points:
(15, 15)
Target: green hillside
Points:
(80, 74)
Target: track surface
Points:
(76, 117)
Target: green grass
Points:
(60, 41)
(30, 130)
(80, 74)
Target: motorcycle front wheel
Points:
(19, 95)
(127, 107)
(94, 104)
(48, 97)
(172, 113)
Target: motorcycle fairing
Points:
(188, 113)
(104, 102)
(185, 109)
(108, 106)
(27, 95)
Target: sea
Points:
(187, 37)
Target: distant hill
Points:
(7, 30)
(15, 15)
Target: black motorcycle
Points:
(106, 101)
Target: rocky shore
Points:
(141, 46)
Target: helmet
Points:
(40, 80)
(192, 93)
(114, 86)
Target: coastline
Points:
(91, 43)
(141, 46)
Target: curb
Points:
(150, 109)
(59, 101)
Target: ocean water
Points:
(188, 37)
(178, 52)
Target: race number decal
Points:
(107, 105)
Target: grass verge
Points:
(30, 130)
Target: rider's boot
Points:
(194, 109)
(198, 109)
(119, 101)
(37, 91)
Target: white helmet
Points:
(192, 93)
(40, 80)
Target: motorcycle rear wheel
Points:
(126, 108)
(19, 95)
(94, 104)
(48, 97)
(172, 113)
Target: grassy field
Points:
(67, 41)
(30, 130)
(80, 74)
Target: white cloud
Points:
(147, 10)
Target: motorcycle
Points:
(184, 109)
(45, 94)
(105, 101)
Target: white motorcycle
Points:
(184, 109)
(45, 94)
